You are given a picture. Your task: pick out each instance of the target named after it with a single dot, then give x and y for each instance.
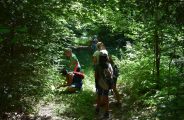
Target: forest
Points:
(144, 37)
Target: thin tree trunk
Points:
(157, 56)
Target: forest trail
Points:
(117, 111)
(59, 108)
(47, 111)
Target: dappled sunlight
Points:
(77, 105)
(144, 38)
(89, 81)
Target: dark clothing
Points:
(77, 82)
(103, 82)
(102, 92)
(78, 69)
(115, 80)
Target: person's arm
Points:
(69, 80)
(94, 60)
(95, 57)
(111, 70)
(74, 62)
(76, 66)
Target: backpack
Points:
(115, 71)
(104, 81)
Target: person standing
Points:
(104, 81)
(100, 47)
(102, 67)
(94, 42)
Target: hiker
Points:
(94, 41)
(115, 77)
(100, 48)
(74, 64)
(73, 80)
(104, 82)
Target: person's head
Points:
(100, 46)
(68, 52)
(103, 59)
(64, 72)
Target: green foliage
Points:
(81, 41)
(138, 77)
(21, 83)
(33, 35)
(137, 72)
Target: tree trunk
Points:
(157, 56)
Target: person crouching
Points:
(73, 80)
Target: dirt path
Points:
(48, 112)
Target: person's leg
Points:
(71, 89)
(106, 102)
(98, 103)
(99, 99)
